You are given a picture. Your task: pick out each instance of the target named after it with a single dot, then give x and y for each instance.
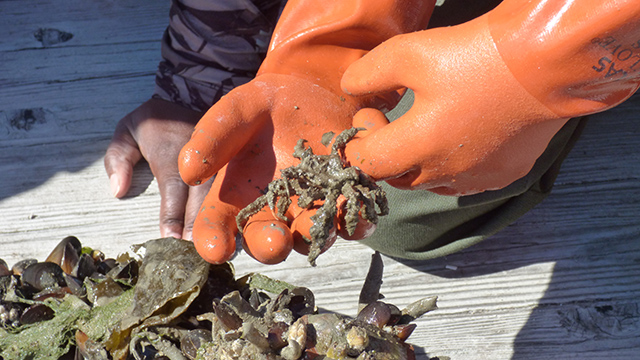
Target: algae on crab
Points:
(322, 178)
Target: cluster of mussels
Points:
(69, 269)
(289, 327)
(171, 304)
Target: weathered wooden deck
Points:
(561, 283)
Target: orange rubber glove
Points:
(249, 135)
(491, 93)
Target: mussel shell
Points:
(44, 275)
(191, 341)
(277, 336)
(4, 269)
(417, 309)
(257, 299)
(66, 253)
(228, 318)
(10, 312)
(103, 292)
(85, 267)
(403, 331)
(251, 333)
(106, 265)
(379, 314)
(53, 292)
(19, 267)
(36, 313)
(302, 302)
(125, 271)
(76, 286)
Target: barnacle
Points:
(322, 178)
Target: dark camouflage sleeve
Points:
(212, 46)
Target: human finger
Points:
(121, 156)
(196, 197)
(173, 200)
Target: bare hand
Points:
(156, 131)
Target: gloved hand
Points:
(156, 131)
(249, 135)
(491, 93)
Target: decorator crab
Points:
(322, 178)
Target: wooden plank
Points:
(58, 65)
(90, 22)
(109, 63)
(80, 109)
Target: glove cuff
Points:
(575, 57)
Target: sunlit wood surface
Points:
(561, 283)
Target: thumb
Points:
(121, 156)
(382, 152)
(368, 120)
(381, 70)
